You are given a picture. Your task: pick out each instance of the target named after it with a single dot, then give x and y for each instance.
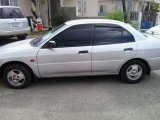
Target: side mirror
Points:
(51, 44)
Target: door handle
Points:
(128, 49)
(83, 52)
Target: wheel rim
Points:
(134, 72)
(16, 77)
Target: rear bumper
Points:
(154, 63)
(5, 33)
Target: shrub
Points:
(115, 16)
(134, 23)
(58, 18)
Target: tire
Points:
(133, 71)
(17, 76)
(22, 37)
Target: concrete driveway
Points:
(83, 98)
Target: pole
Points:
(124, 6)
(124, 9)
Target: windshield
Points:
(38, 41)
(7, 13)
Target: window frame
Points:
(84, 6)
(79, 7)
(91, 37)
(110, 25)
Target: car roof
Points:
(9, 7)
(88, 21)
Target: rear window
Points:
(8, 13)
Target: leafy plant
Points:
(58, 18)
(115, 16)
(134, 23)
(152, 6)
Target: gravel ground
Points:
(83, 98)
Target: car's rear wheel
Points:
(21, 37)
(133, 71)
(17, 76)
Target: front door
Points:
(71, 56)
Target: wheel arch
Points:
(14, 62)
(148, 70)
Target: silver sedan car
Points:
(81, 48)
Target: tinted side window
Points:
(79, 35)
(107, 35)
(111, 35)
(11, 13)
(128, 37)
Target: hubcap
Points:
(134, 72)
(16, 77)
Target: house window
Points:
(81, 7)
(9, 2)
(84, 6)
(13, 2)
(102, 8)
(4, 2)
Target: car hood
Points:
(16, 46)
(152, 36)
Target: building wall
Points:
(25, 7)
(117, 5)
(44, 13)
(93, 6)
(68, 3)
(41, 9)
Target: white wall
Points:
(25, 7)
(92, 7)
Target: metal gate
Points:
(148, 19)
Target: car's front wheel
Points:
(133, 71)
(17, 76)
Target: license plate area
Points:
(16, 24)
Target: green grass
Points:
(36, 34)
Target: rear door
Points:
(112, 45)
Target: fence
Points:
(142, 20)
